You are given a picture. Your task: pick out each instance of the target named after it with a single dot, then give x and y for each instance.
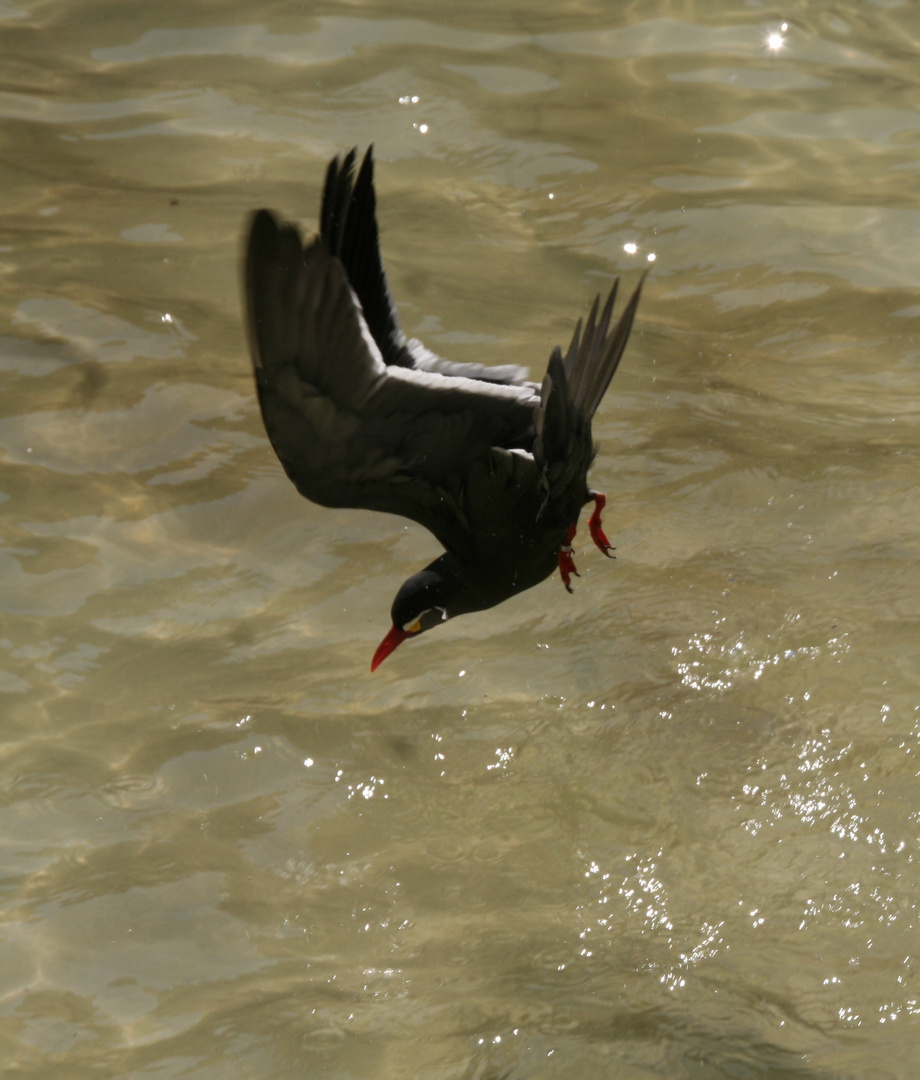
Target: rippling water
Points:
(668, 827)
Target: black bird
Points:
(493, 465)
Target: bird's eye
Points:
(425, 620)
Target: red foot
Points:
(594, 526)
(566, 560)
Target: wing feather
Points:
(594, 353)
(348, 224)
(349, 430)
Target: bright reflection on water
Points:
(667, 827)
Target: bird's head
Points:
(428, 598)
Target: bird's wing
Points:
(424, 359)
(348, 224)
(594, 355)
(571, 392)
(349, 430)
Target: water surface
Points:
(665, 829)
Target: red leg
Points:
(594, 526)
(566, 560)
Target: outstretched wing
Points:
(349, 430)
(593, 357)
(348, 224)
(571, 392)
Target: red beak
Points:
(394, 637)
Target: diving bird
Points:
(493, 465)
